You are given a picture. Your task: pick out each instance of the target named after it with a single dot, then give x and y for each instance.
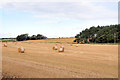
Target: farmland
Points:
(40, 61)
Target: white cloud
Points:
(69, 10)
(47, 22)
(86, 11)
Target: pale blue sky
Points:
(55, 19)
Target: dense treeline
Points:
(100, 34)
(23, 37)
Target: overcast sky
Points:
(55, 19)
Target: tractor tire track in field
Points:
(51, 70)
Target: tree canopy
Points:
(100, 34)
(23, 37)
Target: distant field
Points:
(7, 40)
(40, 61)
(63, 40)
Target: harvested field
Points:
(41, 61)
(63, 40)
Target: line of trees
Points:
(100, 34)
(23, 37)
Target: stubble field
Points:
(40, 61)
